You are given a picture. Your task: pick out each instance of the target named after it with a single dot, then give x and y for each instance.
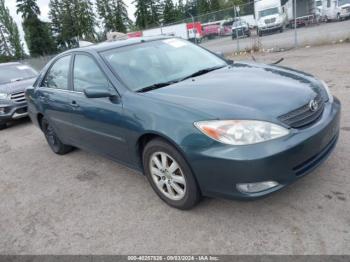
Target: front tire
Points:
(52, 139)
(169, 175)
(3, 125)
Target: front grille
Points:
(316, 160)
(269, 21)
(303, 116)
(18, 97)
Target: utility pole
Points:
(237, 16)
(295, 24)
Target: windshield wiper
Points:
(17, 80)
(160, 85)
(155, 86)
(202, 72)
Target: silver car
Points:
(14, 78)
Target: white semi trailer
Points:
(336, 9)
(306, 12)
(269, 16)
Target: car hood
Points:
(243, 90)
(239, 26)
(344, 6)
(15, 87)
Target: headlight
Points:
(241, 132)
(329, 94)
(3, 96)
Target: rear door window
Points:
(58, 75)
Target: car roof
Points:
(119, 43)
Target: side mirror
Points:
(98, 92)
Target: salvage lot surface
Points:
(84, 204)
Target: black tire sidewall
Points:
(3, 125)
(61, 148)
(192, 194)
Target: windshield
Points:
(239, 23)
(146, 64)
(267, 12)
(18, 72)
(343, 2)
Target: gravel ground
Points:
(84, 204)
(316, 35)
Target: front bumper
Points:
(239, 32)
(219, 168)
(272, 27)
(345, 14)
(11, 110)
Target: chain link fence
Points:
(251, 28)
(257, 27)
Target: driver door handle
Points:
(74, 104)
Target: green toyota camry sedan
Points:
(194, 123)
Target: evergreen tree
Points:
(214, 5)
(37, 33)
(114, 15)
(147, 13)
(141, 14)
(84, 16)
(180, 11)
(203, 6)
(191, 8)
(72, 20)
(10, 43)
(169, 12)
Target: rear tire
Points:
(52, 139)
(169, 175)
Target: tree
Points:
(203, 6)
(169, 12)
(10, 43)
(72, 20)
(214, 5)
(27, 8)
(114, 15)
(37, 33)
(84, 16)
(147, 13)
(180, 10)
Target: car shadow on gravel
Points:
(18, 123)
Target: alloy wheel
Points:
(167, 175)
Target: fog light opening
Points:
(256, 187)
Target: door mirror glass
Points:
(98, 92)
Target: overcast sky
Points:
(44, 8)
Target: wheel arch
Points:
(39, 118)
(145, 138)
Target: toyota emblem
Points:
(313, 105)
